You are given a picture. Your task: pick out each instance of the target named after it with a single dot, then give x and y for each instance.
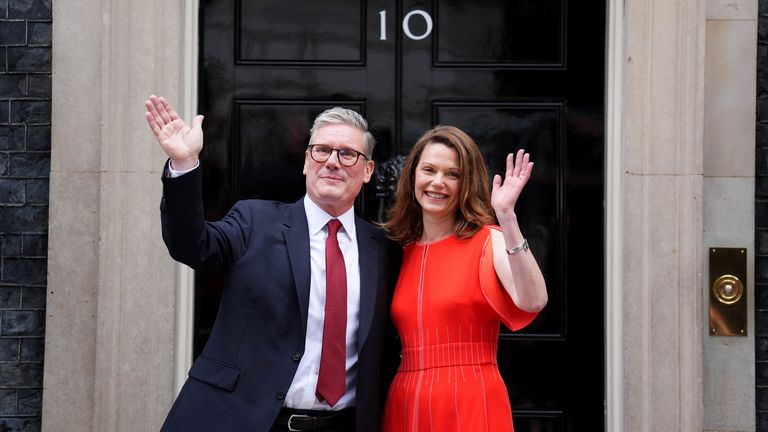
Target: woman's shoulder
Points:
(485, 232)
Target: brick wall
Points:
(25, 143)
(761, 222)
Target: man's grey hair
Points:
(338, 115)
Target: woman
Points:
(460, 277)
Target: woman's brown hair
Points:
(404, 222)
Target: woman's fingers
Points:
(518, 163)
(524, 167)
(496, 182)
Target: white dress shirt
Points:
(301, 394)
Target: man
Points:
(299, 340)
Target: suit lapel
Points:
(296, 233)
(369, 271)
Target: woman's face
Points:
(438, 181)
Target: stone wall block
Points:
(12, 191)
(40, 86)
(29, 9)
(761, 295)
(30, 401)
(8, 401)
(762, 401)
(761, 161)
(22, 374)
(32, 349)
(37, 164)
(762, 421)
(761, 349)
(10, 297)
(729, 111)
(22, 424)
(762, 109)
(3, 164)
(13, 86)
(24, 271)
(21, 323)
(761, 193)
(24, 111)
(34, 245)
(12, 138)
(762, 59)
(39, 138)
(13, 32)
(761, 323)
(9, 352)
(5, 112)
(39, 33)
(37, 192)
(29, 59)
(762, 135)
(26, 219)
(731, 9)
(761, 241)
(761, 269)
(761, 374)
(33, 298)
(761, 210)
(11, 245)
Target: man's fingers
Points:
(168, 108)
(152, 124)
(160, 106)
(197, 121)
(152, 110)
(510, 165)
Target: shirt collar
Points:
(317, 218)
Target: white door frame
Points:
(614, 142)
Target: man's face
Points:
(331, 185)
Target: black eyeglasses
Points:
(346, 156)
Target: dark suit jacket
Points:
(240, 380)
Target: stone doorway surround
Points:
(116, 338)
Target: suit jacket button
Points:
(280, 395)
(296, 356)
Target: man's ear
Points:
(368, 171)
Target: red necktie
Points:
(331, 381)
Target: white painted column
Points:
(662, 211)
(109, 355)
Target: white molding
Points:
(185, 280)
(614, 212)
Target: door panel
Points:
(513, 74)
(500, 34)
(281, 32)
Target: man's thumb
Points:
(197, 121)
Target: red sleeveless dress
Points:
(447, 307)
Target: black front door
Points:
(520, 73)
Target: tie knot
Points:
(333, 227)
